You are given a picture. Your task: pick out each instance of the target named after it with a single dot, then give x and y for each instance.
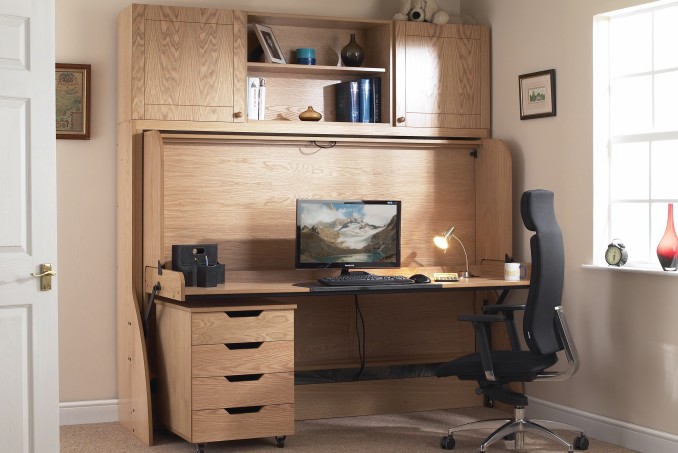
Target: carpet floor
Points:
(406, 433)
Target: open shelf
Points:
(291, 88)
(301, 69)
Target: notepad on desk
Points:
(445, 277)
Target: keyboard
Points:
(365, 280)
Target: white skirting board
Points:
(602, 428)
(608, 430)
(84, 412)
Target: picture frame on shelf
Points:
(537, 94)
(73, 100)
(270, 45)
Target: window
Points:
(635, 128)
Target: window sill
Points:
(636, 270)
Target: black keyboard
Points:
(365, 280)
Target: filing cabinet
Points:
(225, 372)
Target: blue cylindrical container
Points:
(306, 55)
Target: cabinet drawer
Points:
(215, 425)
(240, 327)
(238, 391)
(242, 358)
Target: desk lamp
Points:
(443, 242)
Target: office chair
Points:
(545, 334)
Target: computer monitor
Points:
(347, 234)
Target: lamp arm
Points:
(465, 255)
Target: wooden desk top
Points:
(172, 287)
(293, 288)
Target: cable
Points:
(361, 344)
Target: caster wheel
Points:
(201, 448)
(581, 443)
(280, 441)
(447, 443)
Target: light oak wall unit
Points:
(442, 76)
(291, 88)
(213, 176)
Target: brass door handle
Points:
(52, 273)
(45, 276)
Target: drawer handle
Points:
(233, 346)
(244, 314)
(243, 410)
(244, 377)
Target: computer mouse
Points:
(420, 278)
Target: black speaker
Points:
(198, 263)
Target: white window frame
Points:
(603, 139)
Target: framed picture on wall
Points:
(537, 94)
(268, 42)
(73, 100)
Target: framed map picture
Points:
(72, 100)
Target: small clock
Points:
(616, 254)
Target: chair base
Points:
(518, 426)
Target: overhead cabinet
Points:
(193, 64)
(181, 64)
(442, 76)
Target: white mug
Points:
(514, 271)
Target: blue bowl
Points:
(306, 52)
(305, 60)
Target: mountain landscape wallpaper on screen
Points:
(336, 233)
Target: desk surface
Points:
(172, 287)
(297, 288)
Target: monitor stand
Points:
(345, 271)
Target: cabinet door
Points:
(191, 57)
(442, 75)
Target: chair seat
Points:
(509, 366)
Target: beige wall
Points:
(86, 33)
(624, 324)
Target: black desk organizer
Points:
(198, 263)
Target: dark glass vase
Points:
(352, 54)
(667, 250)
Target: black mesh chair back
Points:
(548, 266)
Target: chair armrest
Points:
(481, 325)
(511, 329)
(482, 318)
(502, 308)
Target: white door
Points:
(29, 377)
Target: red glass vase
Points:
(667, 250)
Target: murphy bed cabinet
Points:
(183, 71)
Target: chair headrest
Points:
(536, 209)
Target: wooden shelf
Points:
(311, 69)
(321, 22)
